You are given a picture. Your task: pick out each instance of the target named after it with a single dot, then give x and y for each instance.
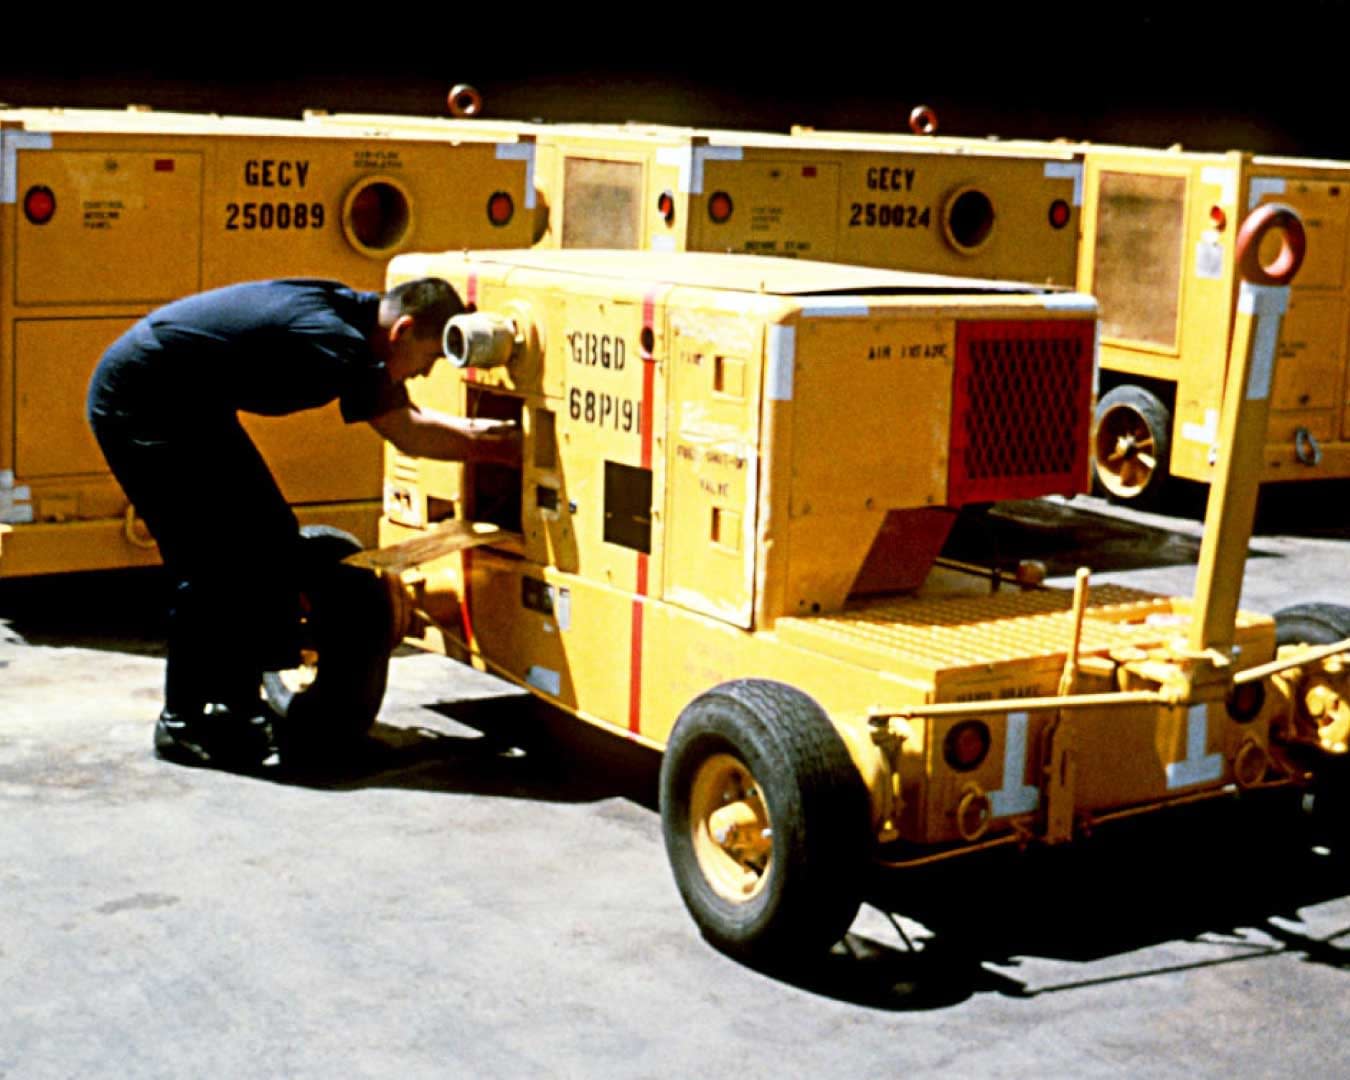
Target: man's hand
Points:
(494, 442)
(445, 437)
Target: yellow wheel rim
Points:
(731, 829)
(299, 679)
(1127, 452)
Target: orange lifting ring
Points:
(1293, 246)
(923, 120)
(464, 101)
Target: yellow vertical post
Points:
(1262, 301)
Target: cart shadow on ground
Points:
(110, 610)
(509, 745)
(1089, 531)
(1065, 536)
(1204, 886)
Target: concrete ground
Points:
(451, 906)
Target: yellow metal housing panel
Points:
(53, 360)
(784, 207)
(869, 392)
(1310, 364)
(127, 226)
(713, 463)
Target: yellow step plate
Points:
(940, 634)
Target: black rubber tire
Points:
(1145, 409)
(817, 807)
(348, 626)
(1312, 624)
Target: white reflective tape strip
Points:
(15, 505)
(1267, 303)
(1263, 299)
(1198, 767)
(15, 514)
(1071, 302)
(824, 307)
(709, 153)
(1096, 359)
(1067, 170)
(782, 347)
(1014, 797)
(521, 152)
(1263, 186)
(663, 243)
(1209, 260)
(545, 679)
(562, 607)
(1223, 178)
(1263, 358)
(677, 158)
(11, 142)
(1205, 433)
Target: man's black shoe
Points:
(218, 737)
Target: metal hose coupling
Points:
(480, 340)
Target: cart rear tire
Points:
(1312, 624)
(1323, 624)
(766, 822)
(1131, 445)
(336, 693)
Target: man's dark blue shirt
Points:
(268, 347)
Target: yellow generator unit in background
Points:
(1158, 251)
(723, 542)
(970, 211)
(106, 215)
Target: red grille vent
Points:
(1021, 410)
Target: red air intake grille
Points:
(1021, 410)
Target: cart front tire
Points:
(766, 822)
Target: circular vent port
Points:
(377, 215)
(969, 219)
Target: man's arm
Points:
(423, 433)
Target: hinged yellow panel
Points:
(127, 227)
(610, 423)
(784, 207)
(713, 463)
(869, 393)
(53, 361)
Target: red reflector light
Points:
(719, 207)
(1245, 701)
(1217, 217)
(665, 206)
(1059, 214)
(39, 204)
(966, 745)
(163, 164)
(808, 170)
(500, 208)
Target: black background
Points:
(1272, 79)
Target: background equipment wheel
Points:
(335, 693)
(1131, 444)
(766, 821)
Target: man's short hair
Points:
(430, 301)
